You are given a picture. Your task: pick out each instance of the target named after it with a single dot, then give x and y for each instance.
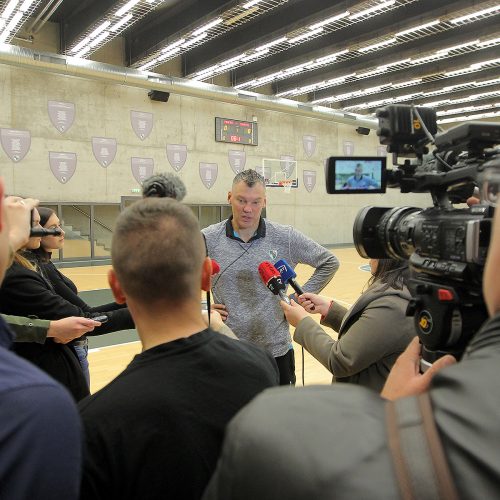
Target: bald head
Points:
(158, 252)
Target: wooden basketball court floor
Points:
(107, 362)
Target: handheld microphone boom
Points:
(272, 279)
(164, 185)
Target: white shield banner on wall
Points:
(62, 165)
(176, 155)
(61, 114)
(309, 179)
(237, 160)
(348, 147)
(104, 150)
(287, 165)
(15, 143)
(142, 168)
(208, 174)
(381, 150)
(309, 143)
(142, 123)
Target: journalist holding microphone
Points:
(372, 333)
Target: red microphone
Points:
(272, 279)
(215, 267)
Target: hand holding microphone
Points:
(288, 275)
(315, 304)
(272, 279)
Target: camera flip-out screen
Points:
(355, 174)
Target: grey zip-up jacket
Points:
(254, 313)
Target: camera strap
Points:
(418, 457)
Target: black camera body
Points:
(446, 246)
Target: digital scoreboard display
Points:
(236, 131)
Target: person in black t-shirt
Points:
(156, 430)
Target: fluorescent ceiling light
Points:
(458, 72)
(173, 45)
(2, 23)
(194, 40)
(395, 63)
(126, 7)
(418, 28)
(83, 52)
(425, 59)
(272, 44)
(148, 64)
(99, 39)
(3, 36)
(240, 16)
(486, 43)
(329, 20)
(100, 29)
(121, 22)
(254, 55)
(484, 63)
(375, 8)
(303, 36)
(79, 45)
(13, 22)
(455, 47)
(9, 9)
(26, 5)
(251, 3)
(479, 13)
(377, 45)
(208, 26)
(370, 73)
(232, 59)
(168, 54)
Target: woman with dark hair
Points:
(65, 287)
(26, 291)
(371, 334)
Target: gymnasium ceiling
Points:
(351, 55)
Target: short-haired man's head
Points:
(250, 177)
(158, 252)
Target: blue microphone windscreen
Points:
(287, 273)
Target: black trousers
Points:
(286, 367)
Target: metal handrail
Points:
(94, 219)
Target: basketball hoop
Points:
(287, 185)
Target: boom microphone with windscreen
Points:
(272, 279)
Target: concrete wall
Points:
(103, 110)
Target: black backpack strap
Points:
(419, 461)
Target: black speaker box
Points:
(158, 95)
(363, 130)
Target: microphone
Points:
(288, 275)
(272, 279)
(164, 185)
(40, 232)
(215, 267)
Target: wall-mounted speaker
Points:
(158, 95)
(363, 130)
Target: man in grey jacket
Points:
(239, 244)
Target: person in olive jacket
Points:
(372, 333)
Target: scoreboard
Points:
(236, 131)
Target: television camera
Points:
(446, 246)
